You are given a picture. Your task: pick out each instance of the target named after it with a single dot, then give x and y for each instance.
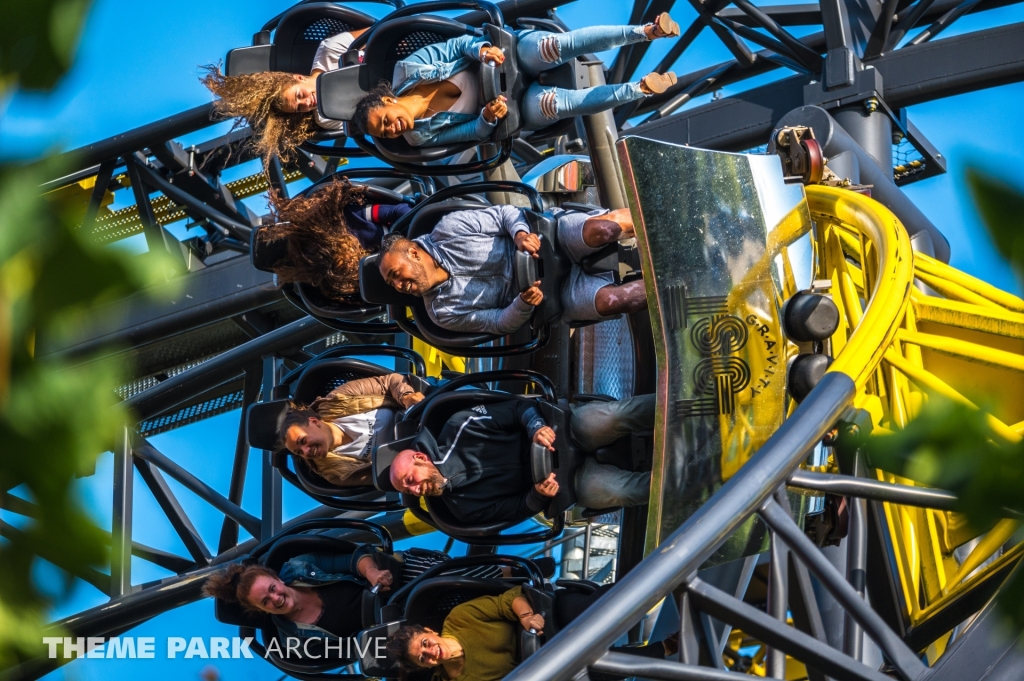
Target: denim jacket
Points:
(319, 569)
(432, 64)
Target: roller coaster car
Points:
(395, 38)
(344, 315)
(432, 414)
(273, 554)
(299, 33)
(316, 379)
(551, 269)
(429, 599)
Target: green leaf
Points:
(1002, 210)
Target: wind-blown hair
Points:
(321, 249)
(256, 97)
(234, 584)
(374, 99)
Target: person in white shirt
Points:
(279, 107)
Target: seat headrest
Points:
(373, 289)
(262, 422)
(383, 458)
(338, 92)
(266, 254)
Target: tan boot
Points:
(656, 83)
(663, 27)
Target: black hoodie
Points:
(484, 454)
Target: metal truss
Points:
(226, 344)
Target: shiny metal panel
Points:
(712, 229)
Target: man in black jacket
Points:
(479, 464)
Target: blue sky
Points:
(138, 62)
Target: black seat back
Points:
(265, 255)
(432, 599)
(299, 33)
(321, 377)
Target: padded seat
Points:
(318, 379)
(274, 556)
(395, 39)
(433, 416)
(299, 33)
(551, 268)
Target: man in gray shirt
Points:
(464, 269)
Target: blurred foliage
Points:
(1002, 210)
(55, 417)
(38, 40)
(950, 445)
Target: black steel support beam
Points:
(587, 638)
(129, 142)
(151, 454)
(803, 605)
(121, 516)
(766, 628)
(845, 485)
(783, 15)
(621, 665)
(250, 393)
(221, 291)
(186, 385)
(911, 76)
(176, 515)
(906, 662)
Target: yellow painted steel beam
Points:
(986, 548)
(954, 291)
(940, 269)
(973, 352)
(966, 316)
(890, 296)
(930, 382)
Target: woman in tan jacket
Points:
(337, 433)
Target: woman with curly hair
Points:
(326, 233)
(434, 97)
(279, 107)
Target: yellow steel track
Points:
(912, 327)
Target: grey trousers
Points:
(596, 424)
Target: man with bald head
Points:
(464, 269)
(479, 465)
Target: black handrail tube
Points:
(469, 188)
(679, 555)
(469, 561)
(329, 524)
(149, 135)
(538, 379)
(220, 369)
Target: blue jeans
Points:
(539, 51)
(596, 424)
